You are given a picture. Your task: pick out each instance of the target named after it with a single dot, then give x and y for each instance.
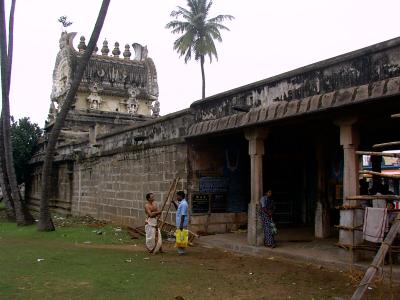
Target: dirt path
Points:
(225, 275)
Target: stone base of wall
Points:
(217, 222)
(58, 207)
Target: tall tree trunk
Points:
(4, 181)
(203, 78)
(45, 221)
(10, 43)
(22, 215)
(4, 184)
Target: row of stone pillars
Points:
(349, 141)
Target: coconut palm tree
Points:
(45, 221)
(198, 32)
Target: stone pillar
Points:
(322, 214)
(350, 218)
(256, 138)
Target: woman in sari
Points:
(266, 211)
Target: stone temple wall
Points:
(114, 187)
(108, 176)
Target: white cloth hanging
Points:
(375, 222)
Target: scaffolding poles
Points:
(378, 260)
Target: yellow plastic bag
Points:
(182, 238)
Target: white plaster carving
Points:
(94, 99)
(132, 104)
(140, 51)
(156, 109)
(52, 112)
(62, 73)
(61, 84)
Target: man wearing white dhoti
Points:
(153, 233)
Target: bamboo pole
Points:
(170, 202)
(395, 249)
(349, 207)
(374, 197)
(378, 153)
(369, 275)
(396, 176)
(168, 195)
(384, 145)
(359, 228)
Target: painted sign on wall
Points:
(213, 185)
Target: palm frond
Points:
(178, 26)
(214, 32)
(212, 50)
(193, 5)
(221, 18)
(217, 26)
(188, 55)
(181, 11)
(183, 45)
(210, 3)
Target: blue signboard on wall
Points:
(213, 185)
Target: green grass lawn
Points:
(102, 262)
(68, 264)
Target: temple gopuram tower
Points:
(116, 90)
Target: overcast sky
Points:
(266, 38)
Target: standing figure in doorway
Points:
(267, 210)
(182, 218)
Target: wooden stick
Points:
(170, 202)
(395, 249)
(395, 116)
(349, 228)
(380, 174)
(369, 275)
(166, 199)
(384, 145)
(374, 197)
(349, 207)
(378, 153)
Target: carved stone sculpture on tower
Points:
(156, 109)
(140, 51)
(132, 104)
(52, 112)
(62, 74)
(94, 99)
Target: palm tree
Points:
(45, 221)
(198, 32)
(22, 214)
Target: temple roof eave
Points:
(284, 110)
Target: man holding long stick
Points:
(153, 233)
